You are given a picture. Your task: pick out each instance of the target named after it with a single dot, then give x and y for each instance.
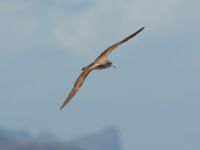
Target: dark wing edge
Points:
(131, 36)
(112, 47)
(77, 85)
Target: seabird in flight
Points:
(101, 62)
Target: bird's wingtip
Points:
(61, 107)
(65, 102)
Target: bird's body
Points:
(101, 62)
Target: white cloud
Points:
(74, 32)
(107, 21)
(98, 25)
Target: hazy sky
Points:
(152, 96)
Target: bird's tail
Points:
(86, 67)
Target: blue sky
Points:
(152, 96)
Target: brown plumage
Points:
(101, 62)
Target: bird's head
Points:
(110, 64)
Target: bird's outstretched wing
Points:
(112, 47)
(77, 85)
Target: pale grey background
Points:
(152, 97)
